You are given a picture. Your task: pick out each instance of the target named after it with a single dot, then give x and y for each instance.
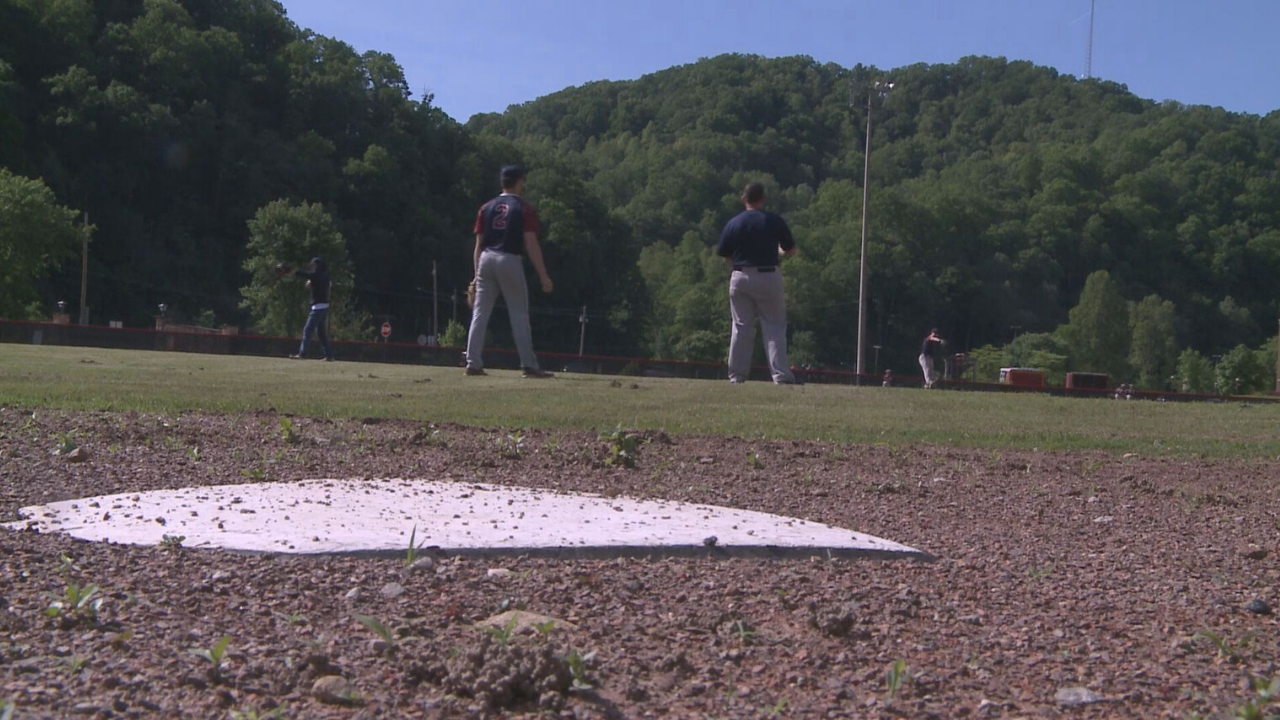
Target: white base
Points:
(377, 516)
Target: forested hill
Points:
(997, 188)
(172, 124)
(207, 138)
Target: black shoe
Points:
(473, 372)
(792, 381)
(536, 373)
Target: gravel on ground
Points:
(1081, 585)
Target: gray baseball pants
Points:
(926, 366)
(501, 275)
(752, 295)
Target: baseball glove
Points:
(471, 295)
(282, 269)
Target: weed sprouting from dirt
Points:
(623, 448)
(378, 628)
(287, 431)
(215, 656)
(511, 445)
(411, 555)
(1227, 650)
(77, 604)
(66, 443)
(897, 674)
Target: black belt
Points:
(739, 268)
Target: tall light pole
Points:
(877, 89)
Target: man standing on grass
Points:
(752, 242)
(318, 283)
(928, 353)
(506, 230)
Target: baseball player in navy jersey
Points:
(506, 230)
(752, 242)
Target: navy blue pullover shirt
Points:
(752, 239)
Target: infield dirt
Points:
(1067, 584)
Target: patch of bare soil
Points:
(1066, 585)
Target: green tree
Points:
(36, 236)
(454, 335)
(1239, 372)
(1195, 373)
(1099, 328)
(1153, 351)
(294, 233)
(985, 363)
(803, 348)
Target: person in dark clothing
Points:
(752, 243)
(506, 231)
(317, 275)
(928, 354)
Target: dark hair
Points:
(511, 174)
(753, 193)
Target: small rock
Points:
(85, 709)
(220, 575)
(1104, 519)
(335, 690)
(498, 573)
(710, 541)
(392, 590)
(1256, 553)
(378, 646)
(421, 564)
(1071, 696)
(353, 595)
(1258, 606)
(78, 455)
(706, 460)
(525, 622)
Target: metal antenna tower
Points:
(1088, 56)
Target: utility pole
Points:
(582, 333)
(84, 272)
(455, 304)
(877, 89)
(435, 303)
(1278, 365)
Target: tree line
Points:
(204, 137)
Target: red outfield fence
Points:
(198, 340)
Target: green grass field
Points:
(98, 379)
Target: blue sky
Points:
(482, 57)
